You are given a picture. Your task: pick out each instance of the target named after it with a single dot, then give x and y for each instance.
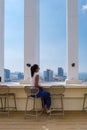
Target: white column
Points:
(72, 41)
(31, 34)
(2, 39)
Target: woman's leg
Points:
(46, 97)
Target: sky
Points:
(52, 34)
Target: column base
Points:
(74, 81)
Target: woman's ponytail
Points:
(33, 69)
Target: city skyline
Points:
(52, 34)
(14, 75)
(47, 76)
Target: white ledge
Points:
(70, 86)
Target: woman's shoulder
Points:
(35, 74)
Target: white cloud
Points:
(84, 7)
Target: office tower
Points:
(6, 75)
(45, 75)
(20, 76)
(48, 75)
(60, 71)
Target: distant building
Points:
(48, 75)
(45, 75)
(20, 76)
(16, 76)
(6, 75)
(12, 76)
(60, 71)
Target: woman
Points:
(35, 83)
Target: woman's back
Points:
(33, 78)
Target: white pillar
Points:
(72, 41)
(31, 34)
(2, 39)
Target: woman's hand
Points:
(41, 88)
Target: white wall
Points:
(2, 39)
(73, 98)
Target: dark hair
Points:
(33, 69)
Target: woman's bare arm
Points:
(37, 81)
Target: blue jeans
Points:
(45, 96)
(46, 99)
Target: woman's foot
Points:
(48, 111)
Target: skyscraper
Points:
(60, 71)
(48, 75)
(6, 75)
(20, 76)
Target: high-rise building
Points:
(60, 71)
(48, 75)
(45, 75)
(6, 75)
(20, 76)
